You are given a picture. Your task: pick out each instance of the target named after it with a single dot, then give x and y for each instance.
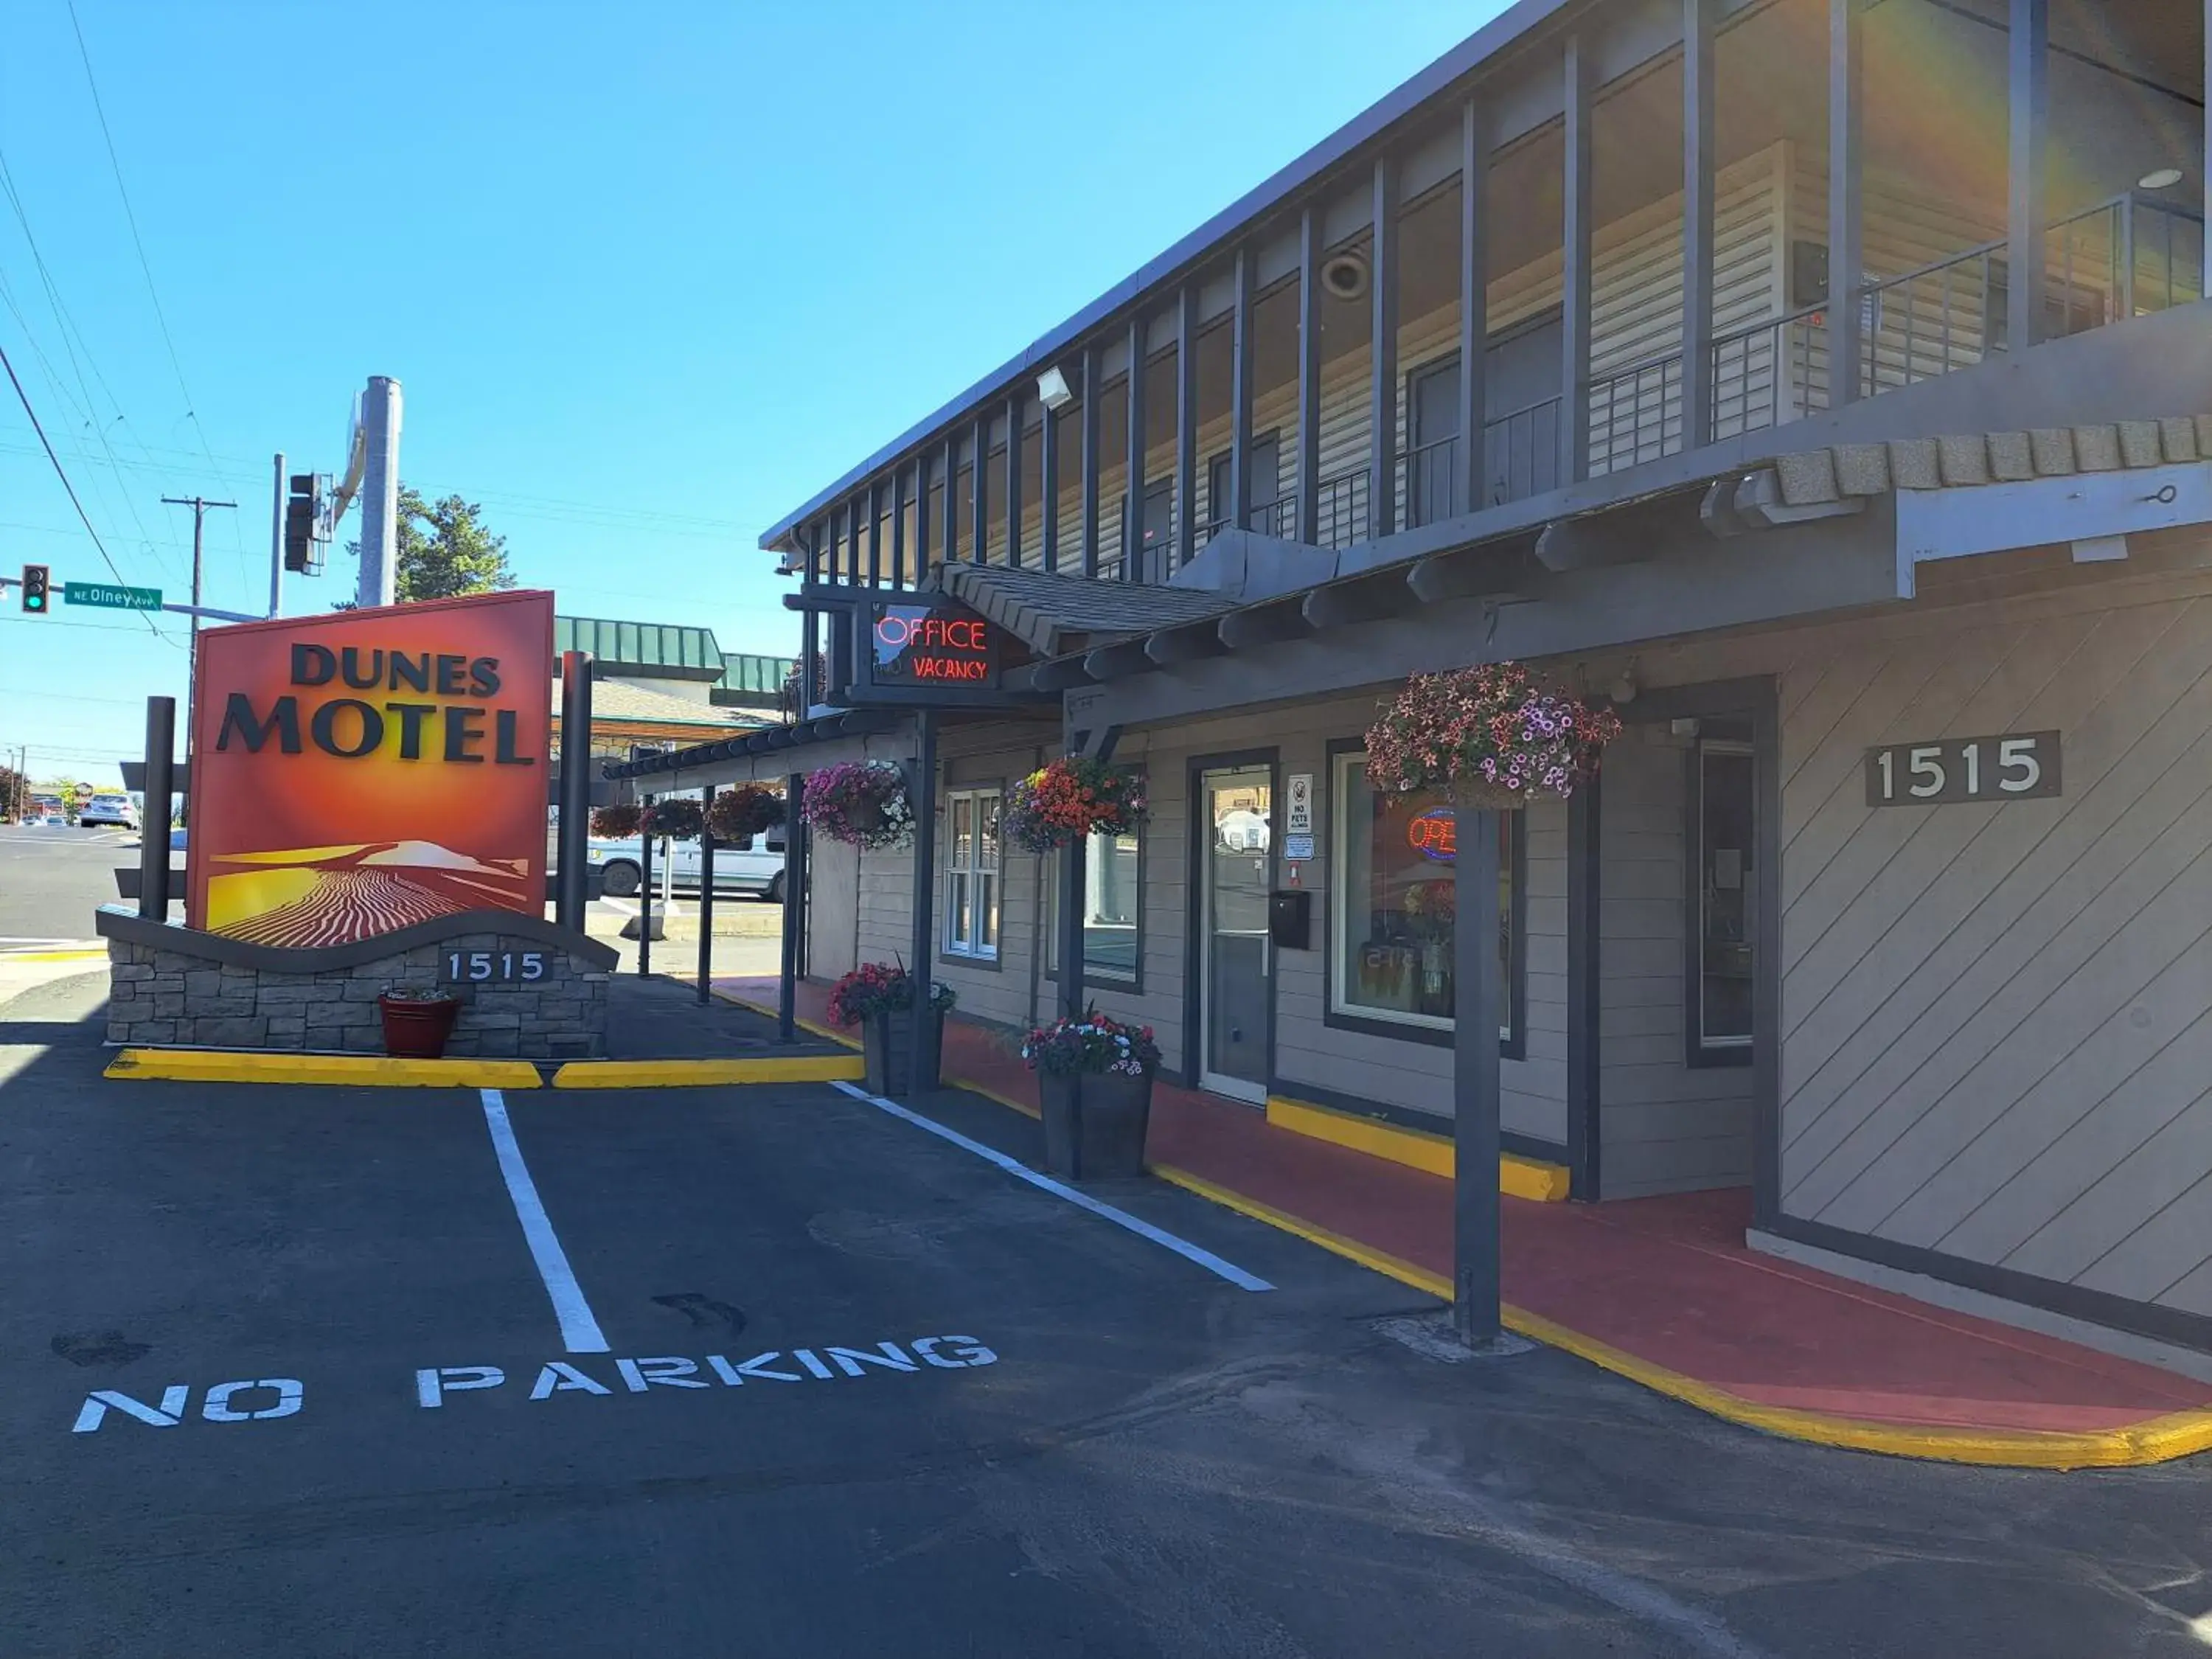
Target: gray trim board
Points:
(2186, 1330)
(114, 922)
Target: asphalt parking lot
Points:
(773, 1369)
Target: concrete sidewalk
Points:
(1662, 1290)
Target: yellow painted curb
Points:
(53, 956)
(354, 1070)
(2154, 1440)
(1432, 1154)
(691, 1073)
(830, 1033)
(1350, 1248)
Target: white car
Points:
(756, 867)
(116, 810)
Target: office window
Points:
(1724, 903)
(971, 873)
(1392, 912)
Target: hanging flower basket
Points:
(1065, 800)
(740, 814)
(861, 803)
(1493, 738)
(678, 816)
(616, 822)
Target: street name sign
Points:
(109, 596)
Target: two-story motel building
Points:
(1828, 384)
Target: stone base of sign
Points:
(172, 986)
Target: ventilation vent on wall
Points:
(1343, 275)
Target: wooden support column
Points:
(2027, 212)
(1584, 1141)
(979, 479)
(794, 909)
(1382, 353)
(898, 526)
(1240, 398)
(952, 498)
(1475, 1208)
(1310, 231)
(1049, 486)
(1133, 497)
(1697, 223)
(1089, 514)
(1186, 503)
(1846, 229)
(921, 549)
(1575, 289)
(1015, 410)
(923, 1066)
(1467, 477)
(874, 498)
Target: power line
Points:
(145, 266)
(62, 472)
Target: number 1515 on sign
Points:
(2023, 766)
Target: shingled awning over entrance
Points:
(1052, 614)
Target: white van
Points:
(756, 867)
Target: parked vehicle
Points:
(117, 811)
(755, 868)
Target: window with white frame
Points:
(1393, 909)
(971, 873)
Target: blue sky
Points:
(648, 285)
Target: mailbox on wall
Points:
(1290, 918)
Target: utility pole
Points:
(277, 541)
(380, 493)
(199, 506)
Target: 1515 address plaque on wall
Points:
(1948, 771)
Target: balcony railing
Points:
(2118, 259)
(1636, 414)
(1771, 373)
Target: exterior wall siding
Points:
(1997, 1019)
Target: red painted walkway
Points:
(1668, 1282)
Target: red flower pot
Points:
(417, 1030)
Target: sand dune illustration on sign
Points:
(308, 897)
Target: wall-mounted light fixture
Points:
(1053, 390)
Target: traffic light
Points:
(36, 598)
(303, 545)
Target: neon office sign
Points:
(923, 645)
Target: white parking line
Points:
(1013, 1166)
(620, 906)
(578, 1328)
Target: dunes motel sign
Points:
(355, 775)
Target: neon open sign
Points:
(1434, 834)
(920, 645)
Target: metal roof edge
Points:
(1504, 30)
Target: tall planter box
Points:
(1095, 1123)
(887, 1044)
